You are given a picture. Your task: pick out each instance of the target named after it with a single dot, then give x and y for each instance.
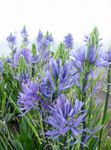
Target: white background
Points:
(58, 16)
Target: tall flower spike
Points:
(65, 117)
(12, 41)
(39, 37)
(15, 61)
(43, 42)
(68, 41)
(24, 35)
(49, 37)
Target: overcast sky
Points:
(58, 16)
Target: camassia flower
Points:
(28, 98)
(25, 53)
(58, 77)
(43, 42)
(43, 45)
(23, 77)
(68, 41)
(106, 56)
(35, 59)
(65, 117)
(24, 35)
(12, 41)
(39, 38)
(87, 58)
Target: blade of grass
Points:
(28, 121)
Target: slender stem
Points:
(42, 125)
(84, 84)
(33, 70)
(90, 108)
(105, 107)
(63, 144)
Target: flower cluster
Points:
(23, 78)
(85, 57)
(43, 44)
(68, 41)
(27, 55)
(65, 117)
(106, 56)
(12, 41)
(60, 85)
(28, 98)
(58, 77)
(24, 35)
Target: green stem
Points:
(33, 70)
(84, 84)
(42, 124)
(31, 125)
(90, 108)
(63, 144)
(105, 107)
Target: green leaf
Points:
(34, 51)
(3, 103)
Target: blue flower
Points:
(65, 117)
(68, 41)
(24, 35)
(106, 56)
(35, 59)
(27, 55)
(11, 38)
(49, 38)
(12, 41)
(43, 42)
(15, 60)
(87, 58)
(1, 66)
(39, 37)
(28, 98)
(58, 77)
(23, 78)
(43, 45)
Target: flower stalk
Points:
(84, 84)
